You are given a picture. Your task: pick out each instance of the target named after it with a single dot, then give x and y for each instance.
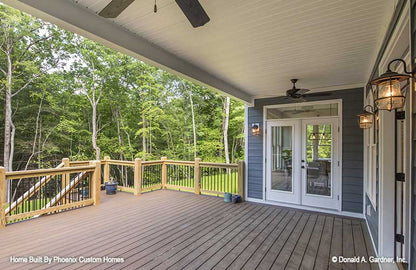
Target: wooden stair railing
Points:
(53, 202)
(66, 190)
(43, 181)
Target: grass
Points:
(220, 182)
(223, 182)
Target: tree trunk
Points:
(193, 122)
(8, 122)
(226, 121)
(144, 137)
(315, 142)
(150, 137)
(94, 131)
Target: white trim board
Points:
(397, 47)
(246, 151)
(340, 125)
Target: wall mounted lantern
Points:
(388, 94)
(318, 136)
(255, 129)
(365, 119)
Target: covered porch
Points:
(362, 183)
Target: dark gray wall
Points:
(352, 145)
(255, 155)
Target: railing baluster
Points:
(137, 176)
(106, 169)
(197, 176)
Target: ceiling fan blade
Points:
(114, 8)
(194, 12)
(302, 91)
(323, 94)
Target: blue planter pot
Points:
(227, 197)
(111, 189)
(236, 198)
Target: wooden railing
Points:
(33, 193)
(194, 176)
(74, 184)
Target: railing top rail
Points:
(47, 172)
(119, 162)
(180, 162)
(78, 163)
(217, 165)
(152, 162)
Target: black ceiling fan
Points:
(191, 8)
(298, 93)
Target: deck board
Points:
(178, 230)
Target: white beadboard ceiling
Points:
(257, 46)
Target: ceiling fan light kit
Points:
(192, 9)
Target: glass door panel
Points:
(283, 163)
(282, 158)
(320, 163)
(318, 159)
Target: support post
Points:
(240, 183)
(95, 181)
(164, 172)
(2, 197)
(65, 176)
(106, 169)
(137, 176)
(197, 176)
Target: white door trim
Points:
(339, 102)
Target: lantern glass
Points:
(389, 96)
(366, 120)
(255, 129)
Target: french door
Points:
(302, 162)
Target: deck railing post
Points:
(106, 169)
(65, 176)
(240, 183)
(164, 172)
(95, 181)
(137, 176)
(2, 197)
(197, 176)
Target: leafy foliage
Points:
(143, 111)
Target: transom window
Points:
(302, 111)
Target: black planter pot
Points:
(111, 188)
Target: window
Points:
(303, 111)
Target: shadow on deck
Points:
(178, 230)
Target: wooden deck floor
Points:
(178, 230)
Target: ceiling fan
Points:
(191, 8)
(298, 93)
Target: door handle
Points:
(302, 160)
(303, 167)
